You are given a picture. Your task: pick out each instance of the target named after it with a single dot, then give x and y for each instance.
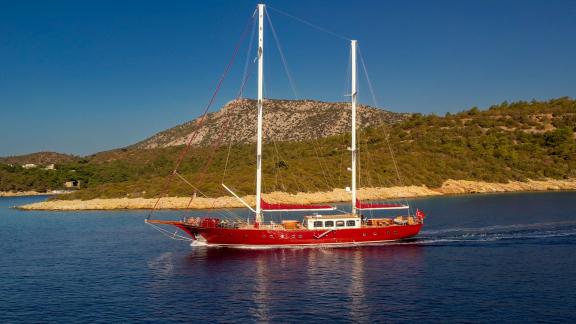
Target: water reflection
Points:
(337, 281)
(358, 311)
(261, 291)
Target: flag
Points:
(420, 214)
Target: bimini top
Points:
(293, 207)
(369, 206)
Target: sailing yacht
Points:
(315, 228)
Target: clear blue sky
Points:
(85, 76)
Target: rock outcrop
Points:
(284, 120)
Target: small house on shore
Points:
(73, 184)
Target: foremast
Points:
(258, 217)
(353, 149)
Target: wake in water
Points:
(497, 233)
(449, 235)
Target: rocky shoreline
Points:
(31, 193)
(449, 187)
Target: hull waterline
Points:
(254, 237)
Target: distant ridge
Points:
(284, 120)
(39, 158)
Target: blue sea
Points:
(479, 258)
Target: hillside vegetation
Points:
(509, 141)
(39, 158)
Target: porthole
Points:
(395, 232)
(299, 236)
(374, 233)
(271, 236)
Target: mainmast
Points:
(260, 102)
(353, 146)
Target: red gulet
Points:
(314, 229)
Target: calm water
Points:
(486, 258)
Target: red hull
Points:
(298, 237)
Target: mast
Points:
(353, 146)
(260, 103)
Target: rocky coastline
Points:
(32, 193)
(449, 187)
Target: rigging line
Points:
(213, 149)
(366, 153)
(280, 158)
(203, 118)
(340, 168)
(363, 179)
(245, 74)
(216, 91)
(347, 84)
(346, 91)
(311, 24)
(295, 92)
(276, 170)
(197, 190)
(300, 185)
(241, 91)
(386, 137)
(322, 163)
(293, 177)
(370, 88)
(376, 104)
(282, 57)
(169, 234)
(227, 159)
(370, 160)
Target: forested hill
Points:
(509, 141)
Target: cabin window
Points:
(351, 223)
(329, 224)
(318, 224)
(340, 223)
